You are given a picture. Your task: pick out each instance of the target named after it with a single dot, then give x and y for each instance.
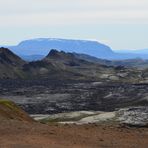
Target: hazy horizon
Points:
(119, 24)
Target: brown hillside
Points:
(9, 110)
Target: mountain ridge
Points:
(10, 64)
(60, 65)
(8, 56)
(44, 45)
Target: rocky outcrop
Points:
(134, 116)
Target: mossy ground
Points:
(9, 110)
(63, 119)
(9, 104)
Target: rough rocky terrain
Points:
(104, 96)
(46, 97)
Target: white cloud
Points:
(67, 12)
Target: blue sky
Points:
(122, 24)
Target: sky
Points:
(121, 24)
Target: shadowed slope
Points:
(10, 64)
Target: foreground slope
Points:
(35, 135)
(9, 110)
(16, 132)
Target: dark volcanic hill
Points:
(10, 64)
(57, 65)
(61, 65)
(64, 66)
(8, 57)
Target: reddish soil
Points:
(17, 134)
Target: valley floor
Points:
(16, 134)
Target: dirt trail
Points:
(16, 134)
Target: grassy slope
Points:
(9, 110)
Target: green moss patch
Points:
(9, 110)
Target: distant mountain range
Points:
(56, 65)
(138, 51)
(43, 46)
(37, 49)
(64, 66)
(129, 63)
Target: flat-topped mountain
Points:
(42, 46)
(36, 49)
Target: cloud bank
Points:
(67, 12)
